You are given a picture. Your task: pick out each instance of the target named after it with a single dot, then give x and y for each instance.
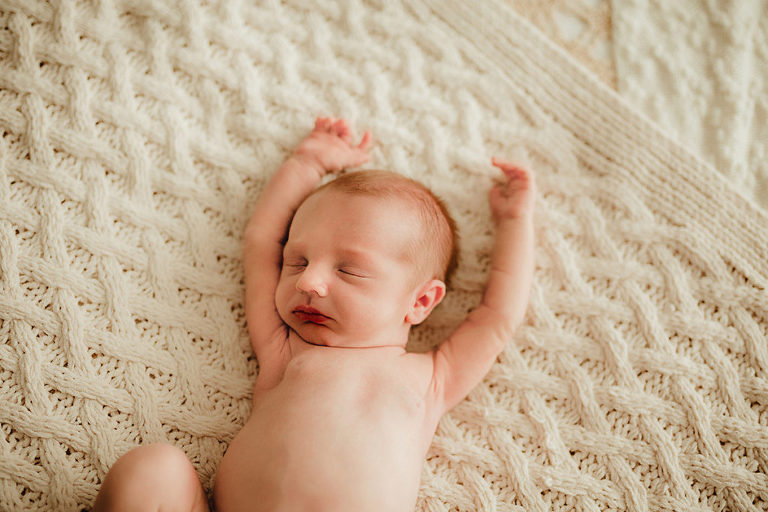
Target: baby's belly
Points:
(335, 445)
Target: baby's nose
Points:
(311, 282)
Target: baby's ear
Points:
(428, 296)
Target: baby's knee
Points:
(148, 474)
(151, 462)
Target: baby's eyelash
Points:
(349, 273)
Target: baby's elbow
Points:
(512, 324)
(504, 332)
(500, 327)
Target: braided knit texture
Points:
(135, 137)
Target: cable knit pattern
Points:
(136, 136)
(582, 27)
(700, 69)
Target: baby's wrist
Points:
(308, 163)
(515, 218)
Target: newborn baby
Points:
(342, 415)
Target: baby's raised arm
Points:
(466, 356)
(328, 148)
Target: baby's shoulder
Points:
(416, 367)
(418, 361)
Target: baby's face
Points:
(347, 277)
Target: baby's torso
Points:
(344, 429)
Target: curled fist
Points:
(514, 195)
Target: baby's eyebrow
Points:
(290, 250)
(356, 254)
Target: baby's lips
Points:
(309, 310)
(311, 318)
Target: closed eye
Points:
(352, 273)
(295, 263)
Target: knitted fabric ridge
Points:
(700, 69)
(136, 136)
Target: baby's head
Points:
(367, 256)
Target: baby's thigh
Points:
(151, 477)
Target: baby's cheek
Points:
(281, 298)
(371, 312)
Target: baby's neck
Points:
(298, 344)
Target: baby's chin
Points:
(306, 331)
(325, 336)
(314, 334)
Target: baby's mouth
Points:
(310, 314)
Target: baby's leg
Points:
(151, 477)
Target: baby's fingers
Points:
(323, 124)
(365, 143)
(512, 170)
(341, 129)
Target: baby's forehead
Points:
(396, 205)
(344, 213)
(363, 205)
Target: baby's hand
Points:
(513, 197)
(330, 146)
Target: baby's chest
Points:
(357, 387)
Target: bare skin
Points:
(342, 415)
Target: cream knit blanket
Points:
(700, 69)
(135, 137)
